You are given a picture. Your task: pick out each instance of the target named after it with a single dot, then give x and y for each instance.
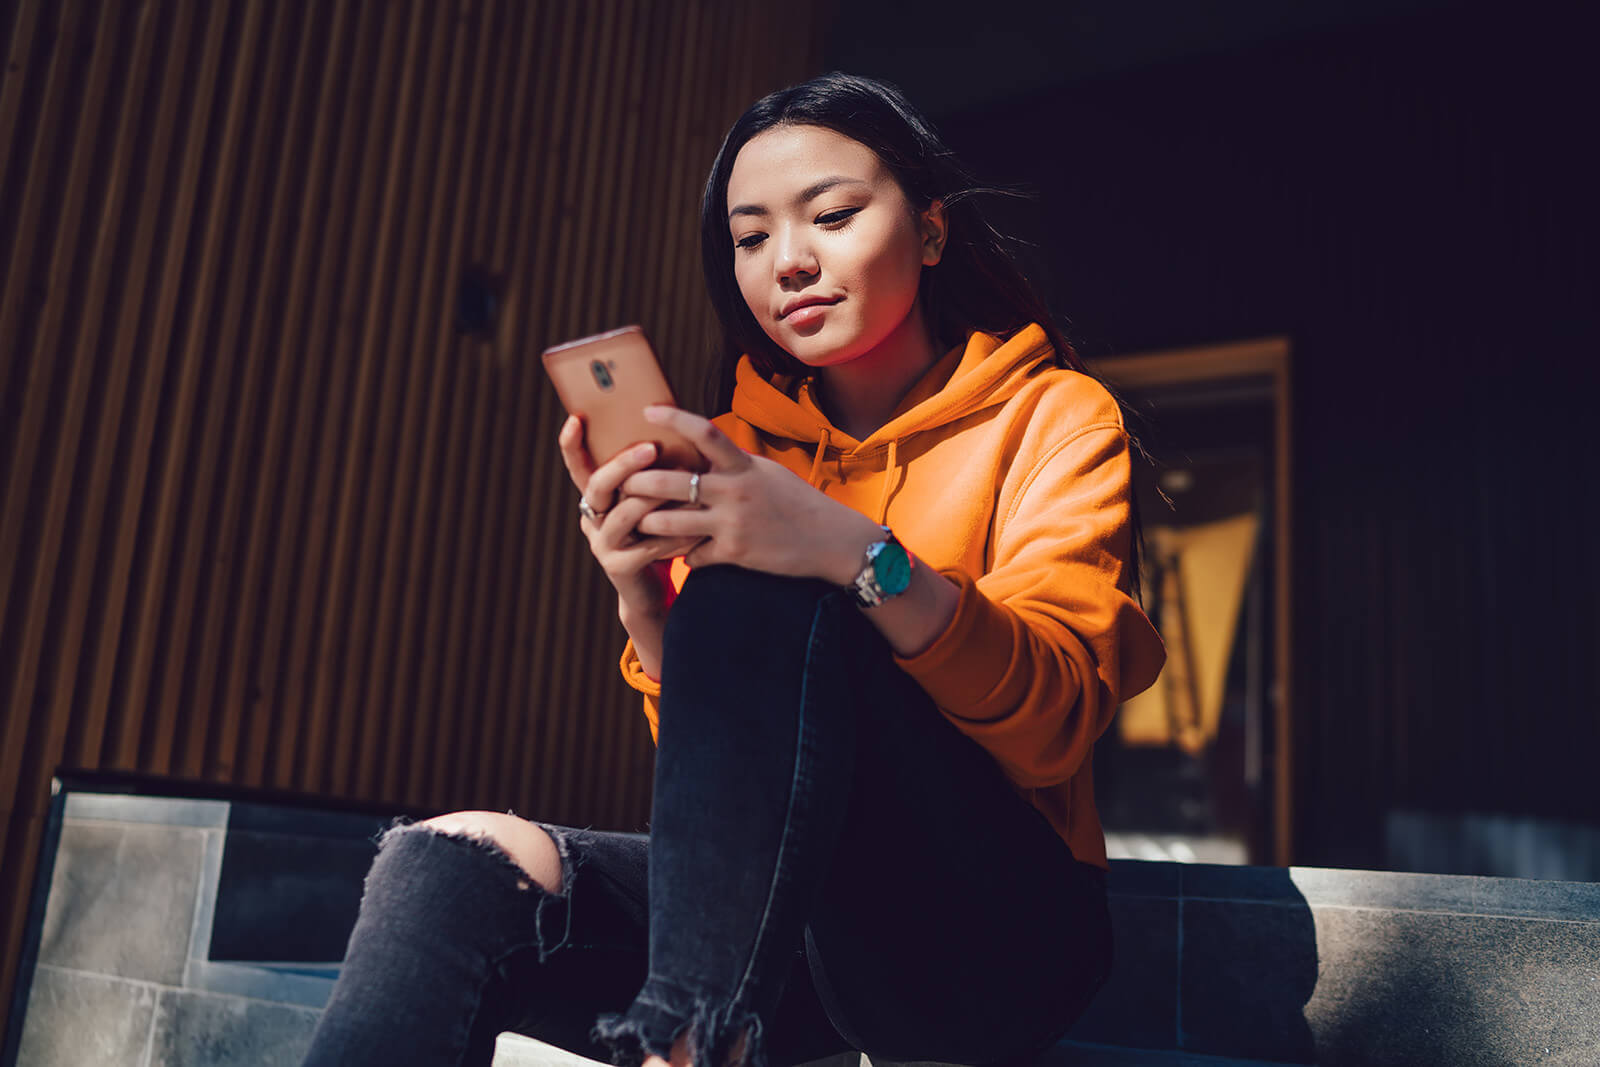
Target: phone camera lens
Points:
(602, 376)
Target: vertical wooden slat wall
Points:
(269, 517)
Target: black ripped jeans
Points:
(831, 866)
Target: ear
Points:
(935, 231)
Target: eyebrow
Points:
(809, 193)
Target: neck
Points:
(858, 396)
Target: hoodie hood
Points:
(970, 377)
(981, 373)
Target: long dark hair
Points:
(978, 283)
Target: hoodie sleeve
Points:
(1045, 645)
(633, 674)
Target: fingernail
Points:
(646, 450)
(657, 413)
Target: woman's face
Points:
(827, 251)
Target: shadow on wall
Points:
(1222, 964)
(1330, 966)
(1247, 973)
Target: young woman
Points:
(909, 611)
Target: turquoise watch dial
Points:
(891, 567)
(887, 572)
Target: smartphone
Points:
(608, 380)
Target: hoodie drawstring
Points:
(888, 483)
(815, 477)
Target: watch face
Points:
(892, 569)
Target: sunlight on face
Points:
(828, 252)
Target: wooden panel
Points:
(269, 518)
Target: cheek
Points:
(745, 276)
(751, 278)
(895, 273)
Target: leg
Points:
(468, 928)
(462, 935)
(752, 773)
(955, 924)
(802, 776)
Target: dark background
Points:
(1406, 192)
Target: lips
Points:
(806, 302)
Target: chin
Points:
(818, 356)
(827, 347)
(813, 351)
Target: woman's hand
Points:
(751, 511)
(634, 561)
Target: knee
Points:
(729, 607)
(714, 586)
(526, 843)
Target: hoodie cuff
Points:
(968, 661)
(633, 672)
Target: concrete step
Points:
(1215, 964)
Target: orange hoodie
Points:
(1011, 476)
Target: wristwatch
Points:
(887, 572)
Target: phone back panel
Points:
(608, 380)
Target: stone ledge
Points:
(161, 811)
(1215, 965)
(1339, 887)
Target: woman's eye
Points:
(750, 241)
(836, 216)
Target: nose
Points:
(796, 261)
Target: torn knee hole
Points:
(467, 834)
(547, 924)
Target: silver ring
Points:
(694, 489)
(587, 510)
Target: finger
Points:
(609, 531)
(602, 485)
(711, 442)
(704, 554)
(617, 526)
(574, 452)
(638, 556)
(676, 522)
(632, 554)
(663, 484)
(620, 532)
